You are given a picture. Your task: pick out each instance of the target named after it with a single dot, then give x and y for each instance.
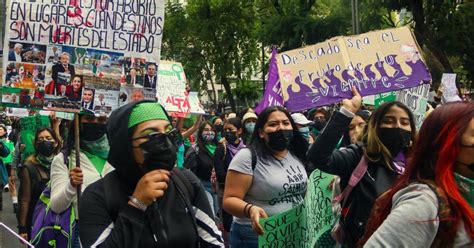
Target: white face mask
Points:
(208, 136)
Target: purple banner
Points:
(272, 95)
(374, 62)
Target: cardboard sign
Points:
(171, 87)
(304, 225)
(374, 62)
(65, 54)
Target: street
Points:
(8, 240)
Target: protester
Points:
(206, 147)
(218, 124)
(65, 178)
(248, 122)
(390, 132)
(432, 205)
(320, 117)
(357, 125)
(145, 202)
(254, 192)
(225, 152)
(4, 152)
(7, 161)
(4, 160)
(303, 126)
(34, 177)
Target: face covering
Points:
(45, 148)
(319, 125)
(395, 139)
(160, 153)
(250, 127)
(44, 160)
(92, 131)
(219, 128)
(208, 136)
(231, 137)
(280, 140)
(304, 131)
(99, 147)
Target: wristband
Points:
(248, 210)
(245, 209)
(137, 203)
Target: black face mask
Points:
(45, 148)
(230, 137)
(219, 128)
(160, 153)
(92, 131)
(319, 124)
(280, 140)
(395, 139)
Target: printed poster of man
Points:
(88, 99)
(134, 94)
(53, 53)
(135, 71)
(26, 52)
(105, 101)
(151, 79)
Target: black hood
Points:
(121, 150)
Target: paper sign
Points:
(17, 112)
(171, 87)
(62, 52)
(194, 103)
(448, 85)
(304, 225)
(374, 62)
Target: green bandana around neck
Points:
(211, 148)
(146, 111)
(98, 147)
(45, 161)
(466, 186)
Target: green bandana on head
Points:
(146, 111)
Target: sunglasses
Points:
(173, 135)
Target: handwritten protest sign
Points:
(194, 103)
(448, 87)
(171, 87)
(29, 126)
(304, 225)
(374, 62)
(56, 49)
(272, 95)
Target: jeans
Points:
(211, 196)
(243, 236)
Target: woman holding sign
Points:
(268, 178)
(371, 167)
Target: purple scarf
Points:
(233, 149)
(399, 162)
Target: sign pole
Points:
(77, 148)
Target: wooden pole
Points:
(77, 149)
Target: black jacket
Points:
(178, 219)
(378, 178)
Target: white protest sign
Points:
(448, 84)
(171, 87)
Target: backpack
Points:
(191, 159)
(51, 229)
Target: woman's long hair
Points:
(374, 148)
(298, 145)
(433, 158)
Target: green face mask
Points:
(98, 147)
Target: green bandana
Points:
(45, 161)
(98, 147)
(145, 112)
(466, 186)
(211, 148)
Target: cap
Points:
(299, 118)
(248, 116)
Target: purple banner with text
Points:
(272, 95)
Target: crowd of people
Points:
(146, 179)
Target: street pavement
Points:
(7, 217)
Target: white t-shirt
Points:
(278, 185)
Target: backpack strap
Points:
(443, 237)
(253, 154)
(187, 192)
(357, 174)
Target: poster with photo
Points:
(105, 101)
(134, 94)
(56, 54)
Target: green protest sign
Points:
(384, 97)
(306, 224)
(29, 126)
